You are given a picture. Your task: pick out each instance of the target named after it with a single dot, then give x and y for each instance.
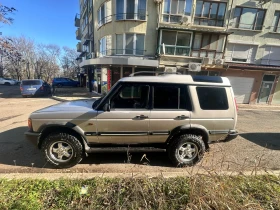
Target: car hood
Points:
(70, 106)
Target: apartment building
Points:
(234, 38)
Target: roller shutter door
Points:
(242, 88)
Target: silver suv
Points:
(179, 114)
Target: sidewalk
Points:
(259, 107)
(74, 93)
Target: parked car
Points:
(7, 81)
(179, 114)
(34, 87)
(64, 82)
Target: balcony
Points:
(213, 54)
(78, 34)
(77, 20)
(79, 47)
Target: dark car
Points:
(64, 82)
(34, 87)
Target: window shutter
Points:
(108, 11)
(109, 44)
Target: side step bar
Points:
(124, 149)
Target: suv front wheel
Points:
(186, 150)
(62, 150)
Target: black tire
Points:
(7, 83)
(59, 85)
(195, 148)
(68, 145)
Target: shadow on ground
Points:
(267, 140)
(15, 150)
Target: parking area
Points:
(257, 147)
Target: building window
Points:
(104, 13)
(131, 10)
(241, 53)
(276, 22)
(210, 13)
(85, 22)
(208, 45)
(130, 44)
(105, 46)
(271, 56)
(173, 10)
(249, 18)
(175, 43)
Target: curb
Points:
(56, 176)
(58, 99)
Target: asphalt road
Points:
(257, 147)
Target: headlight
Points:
(30, 124)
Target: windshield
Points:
(31, 82)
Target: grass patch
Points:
(197, 192)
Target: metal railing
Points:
(175, 50)
(270, 62)
(126, 51)
(123, 16)
(253, 27)
(207, 53)
(209, 22)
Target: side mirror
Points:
(106, 108)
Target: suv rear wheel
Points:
(186, 150)
(62, 150)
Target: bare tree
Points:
(69, 63)
(4, 14)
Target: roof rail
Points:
(152, 72)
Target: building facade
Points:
(238, 39)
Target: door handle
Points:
(182, 117)
(142, 116)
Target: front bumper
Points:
(231, 135)
(32, 137)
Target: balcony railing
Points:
(175, 50)
(207, 53)
(120, 52)
(270, 62)
(79, 47)
(122, 16)
(78, 34)
(77, 20)
(252, 27)
(209, 22)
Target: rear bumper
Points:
(231, 135)
(32, 137)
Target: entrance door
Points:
(127, 122)
(268, 81)
(265, 92)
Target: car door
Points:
(128, 119)
(170, 109)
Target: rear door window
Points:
(172, 97)
(31, 82)
(212, 98)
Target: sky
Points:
(44, 21)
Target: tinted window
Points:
(212, 98)
(31, 82)
(131, 97)
(171, 97)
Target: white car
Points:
(6, 81)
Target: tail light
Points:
(236, 106)
(21, 88)
(30, 124)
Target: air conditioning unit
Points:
(186, 20)
(194, 66)
(170, 69)
(219, 61)
(207, 61)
